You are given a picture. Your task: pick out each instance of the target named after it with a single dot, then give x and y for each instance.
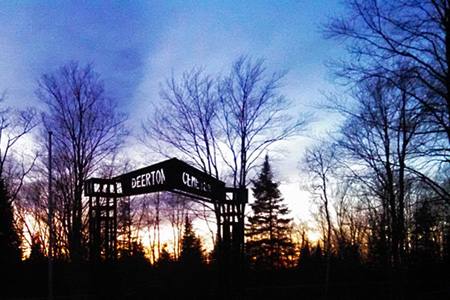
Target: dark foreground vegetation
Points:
(135, 278)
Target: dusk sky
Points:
(135, 45)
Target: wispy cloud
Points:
(135, 45)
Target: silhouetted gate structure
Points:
(175, 176)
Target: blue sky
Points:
(135, 45)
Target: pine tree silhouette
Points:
(10, 251)
(191, 247)
(269, 229)
(165, 258)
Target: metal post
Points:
(50, 219)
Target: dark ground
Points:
(137, 279)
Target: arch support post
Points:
(230, 213)
(103, 196)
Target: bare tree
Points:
(382, 137)
(320, 164)
(380, 142)
(176, 210)
(394, 39)
(155, 241)
(223, 122)
(88, 128)
(350, 230)
(14, 125)
(186, 121)
(254, 115)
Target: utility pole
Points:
(50, 219)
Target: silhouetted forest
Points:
(136, 278)
(276, 266)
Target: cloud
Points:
(214, 34)
(135, 45)
(40, 36)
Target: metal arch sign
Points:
(171, 175)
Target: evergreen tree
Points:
(269, 229)
(9, 238)
(191, 247)
(192, 277)
(305, 255)
(165, 259)
(36, 253)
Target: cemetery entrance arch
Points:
(175, 176)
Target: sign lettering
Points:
(148, 179)
(192, 182)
